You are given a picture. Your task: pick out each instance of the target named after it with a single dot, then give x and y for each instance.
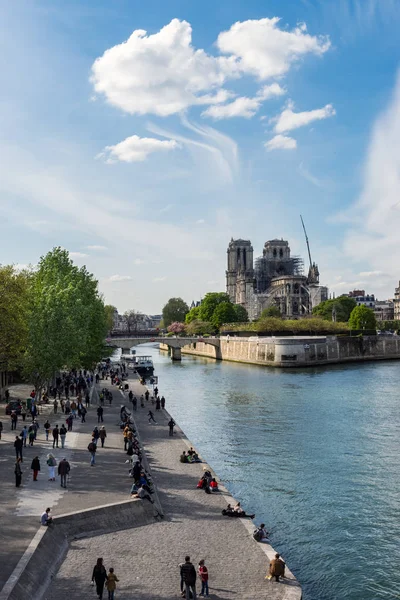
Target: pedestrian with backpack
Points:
(92, 449)
(188, 573)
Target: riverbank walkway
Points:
(145, 558)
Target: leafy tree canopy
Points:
(223, 313)
(175, 310)
(14, 305)
(241, 313)
(197, 327)
(343, 305)
(271, 311)
(210, 303)
(109, 310)
(362, 318)
(192, 314)
(133, 319)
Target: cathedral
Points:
(274, 279)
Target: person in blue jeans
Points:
(203, 574)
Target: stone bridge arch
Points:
(174, 343)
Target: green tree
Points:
(362, 318)
(223, 313)
(197, 327)
(110, 311)
(14, 304)
(241, 313)
(271, 311)
(193, 314)
(210, 303)
(67, 321)
(176, 309)
(343, 305)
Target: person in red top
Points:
(203, 573)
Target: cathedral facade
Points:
(274, 279)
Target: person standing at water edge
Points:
(171, 425)
(188, 573)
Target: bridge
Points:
(127, 341)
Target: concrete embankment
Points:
(297, 351)
(146, 558)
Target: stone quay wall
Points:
(298, 351)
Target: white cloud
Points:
(77, 255)
(281, 142)
(97, 248)
(120, 278)
(20, 267)
(374, 235)
(371, 273)
(163, 74)
(159, 279)
(262, 49)
(139, 261)
(242, 106)
(136, 149)
(289, 120)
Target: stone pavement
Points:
(146, 558)
(20, 508)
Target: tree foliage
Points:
(241, 315)
(67, 321)
(197, 327)
(223, 313)
(109, 310)
(271, 311)
(176, 327)
(133, 318)
(193, 314)
(14, 294)
(362, 318)
(176, 309)
(343, 305)
(210, 303)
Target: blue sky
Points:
(214, 120)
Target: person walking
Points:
(100, 411)
(63, 433)
(31, 435)
(99, 576)
(51, 463)
(63, 470)
(111, 583)
(55, 405)
(162, 402)
(35, 466)
(83, 414)
(92, 449)
(18, 447)
(151, 417)
(102, 435)
(24, 435)
(1, 428)
(56, 433)
(276, 568)
(203, 574)
(14, 420)
(171, 425)
(18, 472)
(47, 427)
(188, 573)
(69, 421)
(125, 434)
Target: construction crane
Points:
(308, 245)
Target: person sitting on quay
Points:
(236, 512)
(276, 568)
(45, 519)
(184, 458)
(194, 457)
(213, 485)
(140, 493)
(261, 534)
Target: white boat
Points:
(142, 364)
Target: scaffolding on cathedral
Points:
(265, 270)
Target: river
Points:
(314, 453)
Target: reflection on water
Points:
(314, 453)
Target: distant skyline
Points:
(143, 136)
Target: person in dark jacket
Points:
(63, 470)
(100, 411)
(35, 466)
(99, 576)
(19, 442)
(188, 574)
(18, 472)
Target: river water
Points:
(314, 453)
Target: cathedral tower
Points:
(240, 269)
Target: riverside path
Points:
(146, 558)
